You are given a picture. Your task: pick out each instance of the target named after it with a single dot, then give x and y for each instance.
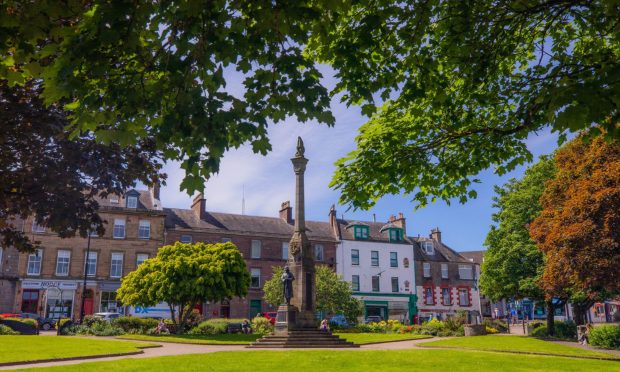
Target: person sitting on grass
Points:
(586, 335)
(161, 327)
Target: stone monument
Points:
(296, 325)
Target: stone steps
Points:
(302, 338)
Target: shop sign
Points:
(44, 284)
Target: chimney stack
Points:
(400, 222)
(286, 212)
(436, 234)
(155, 188)
(199, 206)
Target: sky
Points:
(264, 182)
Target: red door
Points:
(88, 302)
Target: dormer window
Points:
(428, 248)
(396, 235)
(361, 232)
(132, 202)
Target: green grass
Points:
(371, 338)
(514, 344)
(32, 348)
(328, 360)
(227, 339)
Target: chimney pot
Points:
(286, 212)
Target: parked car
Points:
(339, 320)
(106, 316)
(373, 318)
(272, 315)
(44, 323)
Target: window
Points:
(36, 228)
(318, 252)
(355, 257)
(186, 239)
(109, 303)
(285, 250)
(393, 259)
(463, 296)
(426, 266)
(91, 264)
(465, 272)
(428, 248)
(255, 278)
(375, 283)
(355, 283)
(396, 235)
(394, 284)
(119, 228)
(226, 240)
(446, 298)
(429, 298)
(34, 262)
(256, 248)
(132, 202)
(444, 271)
(140, 258)
(361, 232)
(374, 258)
(62, 263)
(144, 230)
(116, 270)
(30, 300)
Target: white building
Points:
(377, 259)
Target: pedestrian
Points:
(324, 326)
(585, 336)
(245, 327)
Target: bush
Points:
(605, 336)
(214, 326)
(28, 321)
(135, 325)
(62, 322)
(563, 330)
(94, 327)
(4, 330)
(491, 330)
(499, 325)
(261, 325)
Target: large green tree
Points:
(333, 295)
(513, 264)
(55, 178)
(184, 275)
(459, 85)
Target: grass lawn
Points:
(514, 343)
(32, 348)
(371, 338)
(328, 360)
(227, 339)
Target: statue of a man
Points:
(287, 284)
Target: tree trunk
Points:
(550, 320)
(580, 310)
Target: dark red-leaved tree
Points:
(47, 174)
(579, 226)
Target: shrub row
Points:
(563, 330)
(4, 330)
(605, 336)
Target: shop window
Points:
(30, 301)
(59, 303)
(110, 304)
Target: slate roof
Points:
(374, 231)
(443, 253)
(474, 256)
(219, 222)
(145, 201)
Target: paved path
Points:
(587, 347)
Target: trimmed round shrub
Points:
(605, 336)
(135, 325)
(4, 330)
(261, 325)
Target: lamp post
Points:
(85, 275)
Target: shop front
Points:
(399, 307)
(108, 300)
(50, 298)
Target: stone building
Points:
(263, 242)
(377, 259)
(9, 260)
(51, 279)
(445, 280)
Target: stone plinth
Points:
(286, 319)
(475, 329)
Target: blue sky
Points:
(269, 180)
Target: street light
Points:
(85, 275)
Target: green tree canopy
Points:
(513, 264)
(460, 85)
(333, 295)
(184, 275)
